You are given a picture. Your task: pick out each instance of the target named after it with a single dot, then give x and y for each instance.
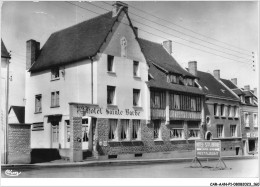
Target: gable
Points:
(123, 31)
(12, 118)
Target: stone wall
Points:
(19, 139)
(75, 139)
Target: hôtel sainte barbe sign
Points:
(108, 111)
(207, 149)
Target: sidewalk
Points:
(63, 163)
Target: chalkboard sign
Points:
(207, 148)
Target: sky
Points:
(194, 27)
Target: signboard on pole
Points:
(207, 148)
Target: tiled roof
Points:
(160, 81)
(229, 83)
(75, 43)
(248, 93)
(19, 112)
(238, 91)
(156, 53)
(213, 87)
(4, 52)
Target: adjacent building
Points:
(4, 86)
(222, 113)
(249, 115)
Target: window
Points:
(189, 82)
(55, 131)
(136, 132)
(222, 110)
(125, 129)
(193, 104)
(136, 97)
(247, 100)
(236, 111)
(246, 119)
(55, 74)
(176, 130)
(156, 129)
(38, 103)
(55, 99)
(111, 95)
(110, 63)
(37, 126)
(112, 135)
(233, 130)
(123, 43)
(242, 98)
(194, 129)
(220, 131)
(255, 120)
(85, 130)
(208, 120)
(136, 68)
(172, 79)
(216, 113)
(67, 123)
(158, 99)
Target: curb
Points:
(116, 162)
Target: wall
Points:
(19, 151)
(12, 118)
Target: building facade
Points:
(111, 95)
(4, 84)
(249, 115)
(222, 112)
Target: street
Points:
(236, 168)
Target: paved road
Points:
(237, 168)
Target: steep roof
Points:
(213, 87)
(156, 53)
(238, 91)
(160, 81)
(4, 52)
(75, 43)
(229, 83)
(19, 112)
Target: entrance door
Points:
(55, 134)
(85, 133)
(251, 145)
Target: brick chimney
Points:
(117, 6)
(32, 52)
(255, 91)
(216, 74)
(247, 87)
(193, 67)
(136, 31)
(168, 46)
(234, 81)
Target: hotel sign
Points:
(207, 148)
(95, 110)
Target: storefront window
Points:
(125, 129)
(193, 129)
(84, 130)
(112, 129)
(176, 130)
(157, 125)
(136, 130)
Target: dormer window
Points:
(172, 79)
(55, 74)
(190, 82)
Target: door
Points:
(85, 133)
(55, 134)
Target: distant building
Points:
(5, 60)
(222, 113)
(249, 115)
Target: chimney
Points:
(168, 46)
(136, 31)
(193, 67)
(216, 74)
(32, 52)
(117, 6)
(255, 92)
(247, 87)
(234, 81)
